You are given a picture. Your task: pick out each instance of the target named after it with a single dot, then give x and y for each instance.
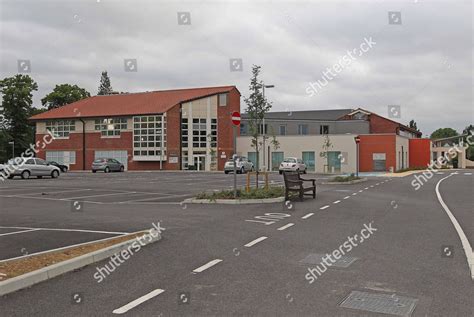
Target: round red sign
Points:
(236, 118)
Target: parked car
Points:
(292, 164)
(107, 165)
(26, 167)
(62, 167)
(242, 165)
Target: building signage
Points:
(378, 156)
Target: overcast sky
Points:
(423, 64)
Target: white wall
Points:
(293, 146)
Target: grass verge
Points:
(254, 193)
(342, 179)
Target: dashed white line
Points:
(337, 202)
(307, 215)
(377, 184)
(371, 186)
(286, 226)
(467, 173)
(254, 242)
(353, 194)
(324, 207)
(347, 197)
(138, 301)
(206, 266)
(360, 191)
(366, 188)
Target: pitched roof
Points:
(323, 115)
(129, 103)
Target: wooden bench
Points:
(294, 183)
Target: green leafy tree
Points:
(443, 133)
(257, 107)
(469, 130)
(17, 102)
(412, 125)
(64, 94)
(105, 88)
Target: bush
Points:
(254, 193)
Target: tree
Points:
(64, 94)
(105, 88)
(17, 102)
(257, 107)
(412, 125)
(469, 130)
(326, 146)
(443, 133)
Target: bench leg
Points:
(314, 193)
(301, 195)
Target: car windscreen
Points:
(101, 160)
(289, 160)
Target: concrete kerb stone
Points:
(37, 276)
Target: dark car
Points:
(62, 167)
(107, 165)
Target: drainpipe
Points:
(83, 144)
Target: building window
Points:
(213, 135)
(110, 126)
(199, 133)
(243, 129)
(61, 157)
(222, 100)
(302, 129)
(324, 129)
(283, 130)
(184, 132)
(261, 129)
(149, 136)
(61, 128)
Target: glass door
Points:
(277, 158)
(308, 159)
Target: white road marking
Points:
(138, 301)
(56, 192)
(467, 173)
(254, 242)
(464, 241)
(371, 186)
(324, 207)
(347, 197)
(67, 230)
(337, 202)
(154, 198)
(307, 215)
(377, 184)
(206, 266)
(286, 226)
(360, 191)
(353, 194)
(9, 233)
(366, 188)
(439, 173)
(101, 195)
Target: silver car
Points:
(242, 165)
(292, 164)
(26, 167)
(107, 165)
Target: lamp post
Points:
(357, 141)
(13, 148)
(264, 129)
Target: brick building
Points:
(169, 129)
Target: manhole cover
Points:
(380, 303)
(316, 258)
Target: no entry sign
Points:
(236, 118)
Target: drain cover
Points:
(380, 303)
(316, 258)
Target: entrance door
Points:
(200, 162)
(334, 161)
(277, 158)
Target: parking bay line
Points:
(101, 195)
(67, 230)
(307, 215)
(138, 301)
(286, 226)
(56, 192)
(254, 242)
(206, 266)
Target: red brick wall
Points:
(420, 152)
(382, 125)
(370, 144)
(224, 127)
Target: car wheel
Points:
(281, 172)
(64, 169)
(304, 172)
(122, 168)
(107, 170)
(25, 174)
(10, 177)
(298, 170)
(93, 171)
(54, 174)
(226, 172)
(242, 170)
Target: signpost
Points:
(235, 124)
(357, 141)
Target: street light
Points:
(13, 148)
(264, 129)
